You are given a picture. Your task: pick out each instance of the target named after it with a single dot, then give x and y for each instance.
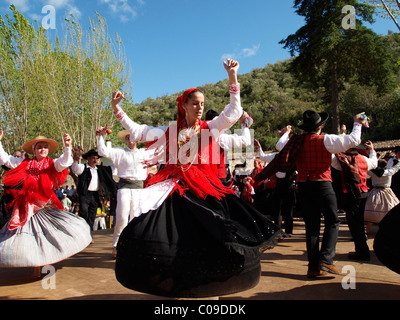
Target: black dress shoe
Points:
(359, 257)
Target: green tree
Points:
(51, 88)
(329, 55)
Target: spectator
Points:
(66, 202)
(95, 181)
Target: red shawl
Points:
(32, 186)
(200, 178)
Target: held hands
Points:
(362, 118)
(243, 117)
(103, 130)
(77, 152)
(369, 145)
(257, 145)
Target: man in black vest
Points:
(95, 181)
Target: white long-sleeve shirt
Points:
(337, 143)
(129, 163)
(233, 141)
(228, 117)
(386, 179)
(390, 162)
(61, 163)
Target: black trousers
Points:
(283, 199)
(355, 219)
(88, 205)
(319, 199)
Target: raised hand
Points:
(116, 99)
(67, 140)
(232, 67)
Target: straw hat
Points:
(28, 146)
(122, 134)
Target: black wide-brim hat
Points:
(312, 120)
(90, 153)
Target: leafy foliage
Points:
(55, 88)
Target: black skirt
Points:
(194, 248)
(387, 240)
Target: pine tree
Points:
(331, 51)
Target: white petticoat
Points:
(379, 202)
(152, 197)
(50, 236)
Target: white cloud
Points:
(125, 10)
(242, 53)
(68, 5)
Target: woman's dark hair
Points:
(194, 91)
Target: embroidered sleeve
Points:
(120, 114)
(234, 88)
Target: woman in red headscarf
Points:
(192, 237)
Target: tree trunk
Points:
(335, 100)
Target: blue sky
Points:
(172, 45)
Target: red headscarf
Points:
(181, 102)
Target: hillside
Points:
(274, 98)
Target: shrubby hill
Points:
(274, 98)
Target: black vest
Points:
(107, 185)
